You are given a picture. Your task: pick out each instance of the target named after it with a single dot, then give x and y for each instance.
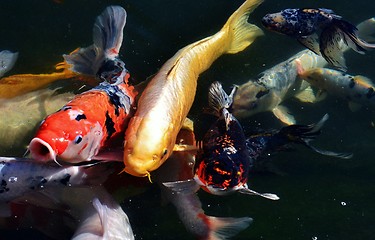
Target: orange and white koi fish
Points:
(356, 89)
(95, 118)
(167, 99)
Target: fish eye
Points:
(78, 139)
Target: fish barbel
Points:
(167, 99)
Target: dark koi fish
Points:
(224, 164)
(320, 30)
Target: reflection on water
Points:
(321, 197)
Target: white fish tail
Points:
(7, 61)
(224, 228)
(218, 99)
(242, 32)
(108, 30)
(107, 36)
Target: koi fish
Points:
(96, 118)
(164, 104)
(320, 30)
(223, 166)
(108, 221)
(18, 127)
(20, 176)
(179, 167)
(281, 82)
(262, 144)
(356, 89)
(276, 85)
(7, 61)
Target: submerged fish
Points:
(18, 127)
(7, 61)
(320, 30)
(168, 97)
(96, 118)
(223, 166)
(265, 143)
(22, 175)
(276, 85)
(180, 167)
(356, 89)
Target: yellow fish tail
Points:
(241, 33)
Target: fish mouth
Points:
(41, 150)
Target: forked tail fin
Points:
(108, 35)
(242, 32)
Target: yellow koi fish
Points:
(167, 99)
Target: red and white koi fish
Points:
(95, 118)
(164, 104)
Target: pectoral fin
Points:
(246, 190)
(184, 147)
(311, 42)
(282, 114)
(184, 187)
(307, 95)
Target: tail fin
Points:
(242, 32)
(7, 60)
(218, 99)
(107, 34)
(224, 228)
(108, 30)
(304, 134)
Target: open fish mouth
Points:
(41, 150)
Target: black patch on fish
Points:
(65, 108)
(262, 93)
(80, 117)
(3, 186)
(65, 180)
(351, 83)
(109, 125)
(370, 93)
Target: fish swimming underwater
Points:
(262, 144)
(223, 165)
(18, 127)
(281, 82)
(95, 118)
(165, 102)
(276, 85)
(180, 167)
(358, 90)
(7, 61)
(22, 175)
(320, 30)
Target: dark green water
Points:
(321, 197)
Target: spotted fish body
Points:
(357, 89)
(320, 30)
(89, 122)
(20, 176)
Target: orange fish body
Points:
(89, 122)
(167, 99)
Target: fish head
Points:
(250, 98)
(284, 22)
(146, 148)
(68, 136)
(219, 177)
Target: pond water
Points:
(321, 197)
